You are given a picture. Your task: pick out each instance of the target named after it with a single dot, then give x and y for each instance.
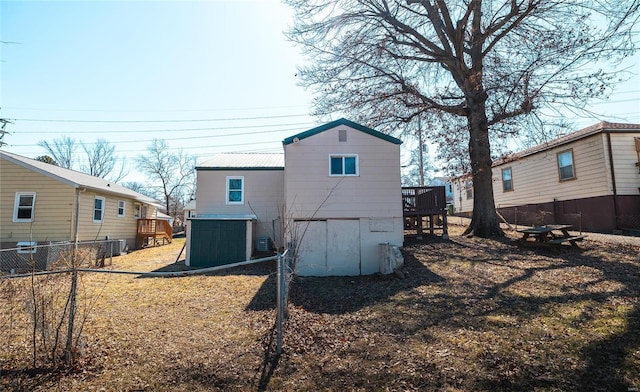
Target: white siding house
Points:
(343, 192)
(589, 178)
(335, 193)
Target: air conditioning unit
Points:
(119, 247)
(263, 244)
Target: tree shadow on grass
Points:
(346, 294)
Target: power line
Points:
(130, 141)
(22, 108)
(161, 121)
(170, 130)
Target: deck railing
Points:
(423, 200)
(149, 231)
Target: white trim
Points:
(16, 204)
(124, 208)
(343, 156)
(226, 195)
(102, 210)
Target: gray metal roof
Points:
(76, 179)
(244, 161)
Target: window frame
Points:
(468, 186)
(16, 207)
(137, 210)
(343, 167)
(228, 190)
(123, 208)
(26, 247)
(510, 180)
(573, 165)
(102, 209)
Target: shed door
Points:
(329, 248)
(217, 242)
(312, 254)
(343, 247)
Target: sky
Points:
(207, 77)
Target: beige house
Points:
(42, 203)
(335, 193)
(589, 178)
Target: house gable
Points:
(336, 123)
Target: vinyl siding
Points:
(263, 196)
(375, 192)
(536, 180)
(112, 226)
(624, 163)
(54, 206)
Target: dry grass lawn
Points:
(470, 315)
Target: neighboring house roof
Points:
(600, 127)
(339, 122)
(234, 161)
(191, 205)
(76, 179)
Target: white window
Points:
(235, 190)
(343, 165)
(469, 187)
(98, 209)
(565, 165)
(507, 182)
(136, 210)
(26, 247)
(121, 208)
(24, 206)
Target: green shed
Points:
(219, 239)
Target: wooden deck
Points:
(424, 209)
(153, 232)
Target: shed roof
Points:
(342, 121)
(76, 179)
(233, 161)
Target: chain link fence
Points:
(28, 257)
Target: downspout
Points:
(76, 234)
(613, 180)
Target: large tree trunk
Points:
(484, 221)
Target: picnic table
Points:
(549, 235)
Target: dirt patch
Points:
(470, 314)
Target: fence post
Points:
(280, 302)
(72, 314)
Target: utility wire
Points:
(161, 121)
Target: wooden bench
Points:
(572, 239)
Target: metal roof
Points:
(76, 179)
(244, 161)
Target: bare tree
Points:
(61, 150)
(482, 67)
(174, 172)
(101, 161)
